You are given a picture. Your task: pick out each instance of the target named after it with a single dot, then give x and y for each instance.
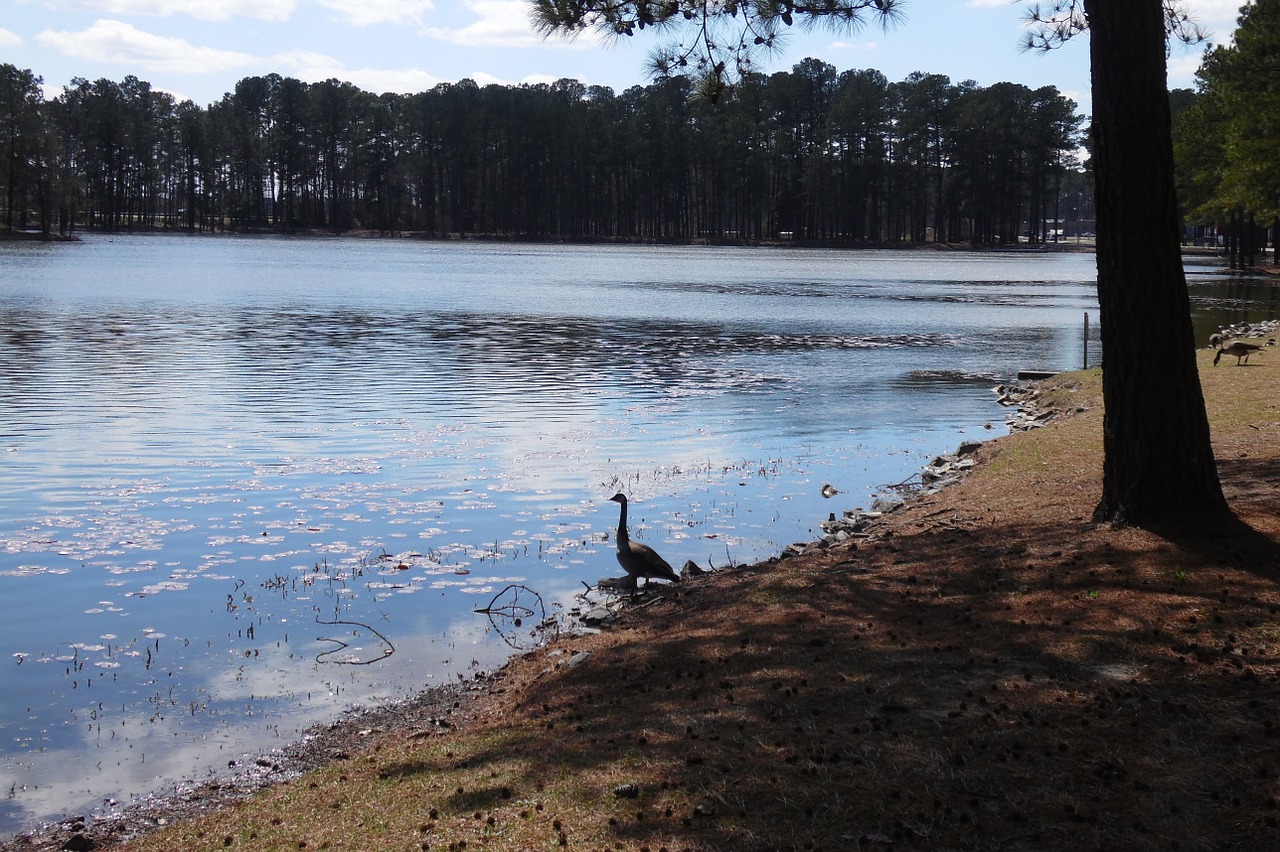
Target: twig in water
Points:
(509, 616)
(320, 658)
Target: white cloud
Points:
(178, 97)
(401, 81)
(502, 23)
(314, 67)
(853, 45)
(548, 79)
(483, 78)
(362, 13)
(309, 66)
(115, 41)
(1182, 69)
(8, 39)
(1218, 17)
(204, 10)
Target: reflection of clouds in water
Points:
(273, 471)
(233, 703)
(124, 760)
(33, 571)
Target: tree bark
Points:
(1158, 461)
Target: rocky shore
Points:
(1032, 409)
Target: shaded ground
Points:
(985, 670)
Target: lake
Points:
(249, 482)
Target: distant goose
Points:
(638, 559)
(1241, 350)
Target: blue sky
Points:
(198, 49)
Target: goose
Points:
(1215, 341)
(638, 559)
(1241, 350)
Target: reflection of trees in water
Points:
(1230, 300)
(450, 355)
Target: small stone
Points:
(598, 614)
(78, 842)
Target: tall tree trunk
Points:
(1158, 462)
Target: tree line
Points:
(808, 154)
(1227, 138)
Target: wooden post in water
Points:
(1086, 340)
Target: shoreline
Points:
(441, 708)
(987, 669)
(436, 709)
(1066, 245)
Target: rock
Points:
(968, 448)
(78, 842)
(691, 569)
(939, 484)
(598, 614)
(578, 659)
(1265, 329)
(626, 791)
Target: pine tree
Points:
(1158, 461)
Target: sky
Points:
(199, 49)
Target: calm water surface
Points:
(249, 482)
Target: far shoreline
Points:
(1072, 244)
(1086, 245)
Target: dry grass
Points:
(988, 671)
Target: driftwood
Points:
(328, 656)
(511, 608)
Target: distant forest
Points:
(808, 155)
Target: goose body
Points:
(639, 560)
(1241, 350)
